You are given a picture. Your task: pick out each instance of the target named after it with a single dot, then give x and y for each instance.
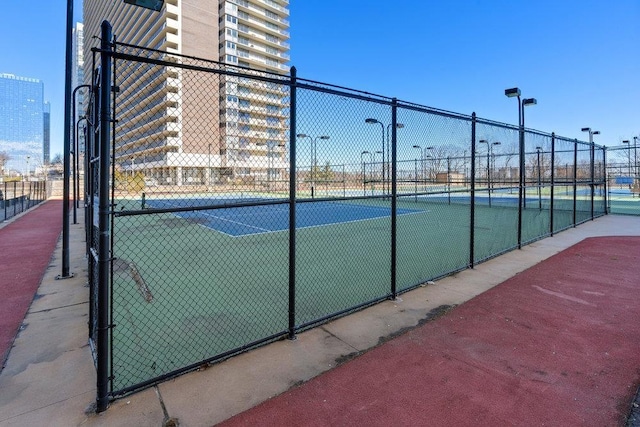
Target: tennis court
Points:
(249, 220)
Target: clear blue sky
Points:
(579, 58)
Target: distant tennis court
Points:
(251, 220)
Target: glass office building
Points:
(22, 125)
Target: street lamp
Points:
(511, 93)
(314, 159)
(386, 177)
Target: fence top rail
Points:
(285, 79)
(220, 65)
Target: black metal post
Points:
(292, 206)
(416, 179)
(76, 151)
(104, 257)
(606, 181)
(553, 177)
(575, 179)
(521, 201)
(593, 174)
(394, 201)
(472, 182)
(67, 145)
(539, 180)
(489, 172)
(449, 178)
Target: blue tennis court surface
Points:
(243, 221)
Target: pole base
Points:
(69, 276)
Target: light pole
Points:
(416, 168)
(364, 171)
(592, 161)
(374, 165)
(314, 159)
(270, 146)
(489, 155)
(511, 93)
(539, 191)
(626, 141)
(385, 178)
(635, 156)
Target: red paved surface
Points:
(26, 246)
(558, 344)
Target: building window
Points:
(232, 19)
(245, 103)
(231, 59)
(231, 32)
(273, 120)
(231, 45)
(232, 98)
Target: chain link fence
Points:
(622, 179)
(229, 207)
(19, 196)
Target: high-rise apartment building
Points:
(244, 132)
(21, 123)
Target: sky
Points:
(579, 58)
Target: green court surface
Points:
(184, 292)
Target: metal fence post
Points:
(592, 173)
(394, 201)
(104, 256)
(604, 176)
(575, 179)
(553, 181)
(292, 205)
(472, 182)
(522, 196)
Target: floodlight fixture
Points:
(302, 135)
(586, 129)
(370, 120)
(596, 132)
(512, 92)
(529, 101)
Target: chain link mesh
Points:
(202, 182)
(622, 178)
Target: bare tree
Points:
(4, 158)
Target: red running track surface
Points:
(558, 344)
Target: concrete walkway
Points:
(49, 378)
